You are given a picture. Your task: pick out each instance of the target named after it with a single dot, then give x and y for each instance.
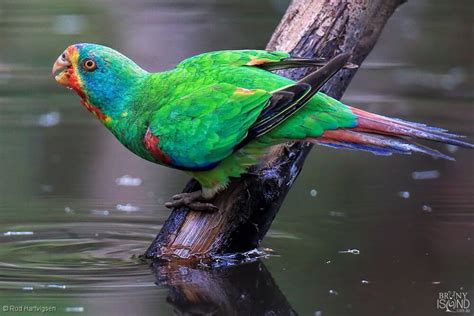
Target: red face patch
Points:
(96, 111)
(74, 83)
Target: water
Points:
(77, 209)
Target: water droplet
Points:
(100, 212)
(404, 194)
(17, 233)
(56, 286)
(313, 192)
(68, 210)
(49, 119)
(426, 208)
(425, 175)
(127, 207)
(351, 251)
(128, 180)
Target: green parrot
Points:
(217, 114)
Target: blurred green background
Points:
(76, 207)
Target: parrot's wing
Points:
(268, 60)
(197, 131)
(287, 100)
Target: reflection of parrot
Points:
(218, 113)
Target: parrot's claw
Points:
(194, 201)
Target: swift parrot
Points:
(217, 114)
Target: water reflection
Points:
(246, 289)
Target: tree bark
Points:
(247, 208)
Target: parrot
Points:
(217, 114)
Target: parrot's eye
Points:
(89, 64)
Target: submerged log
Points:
(309, 28)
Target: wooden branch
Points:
(309, 28)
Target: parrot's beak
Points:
(60, 69)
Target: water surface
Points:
(357, 235)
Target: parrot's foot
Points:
(194, 201)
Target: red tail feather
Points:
(384, 135)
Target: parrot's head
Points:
(100, 75)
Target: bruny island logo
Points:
(453, 302)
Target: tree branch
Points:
(309, 28)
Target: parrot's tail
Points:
(383, 136)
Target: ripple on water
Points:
(62, 256)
